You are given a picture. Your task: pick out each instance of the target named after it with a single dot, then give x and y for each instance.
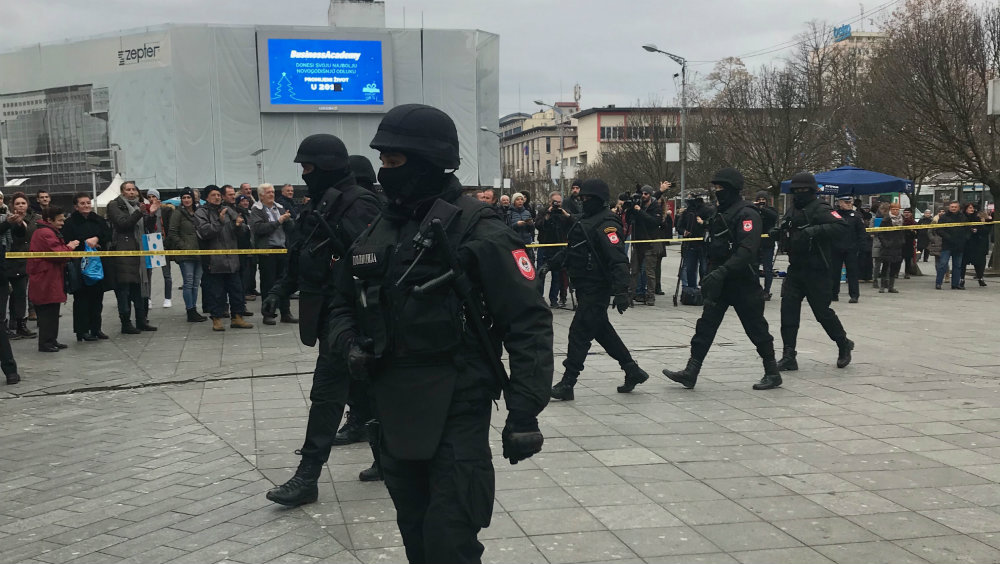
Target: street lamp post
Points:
(562, 169)
(683, 63)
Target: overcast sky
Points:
(546, 46)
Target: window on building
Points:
(548, 144)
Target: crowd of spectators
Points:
(33, 289)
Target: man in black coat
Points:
(845, 250)
(425, 327)
(87, 228)
(769, 219)
(809, 228)
(691, 224)
(952, 246)
(553, 225)
(645, 218)
(733, 248)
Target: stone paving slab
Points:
(167, 457)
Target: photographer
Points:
(644, 214)
(691, 224)
(553, 227)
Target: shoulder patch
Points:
(613, 237)
(836, 215)
(524, 265)
(747, 225)
(610, 229)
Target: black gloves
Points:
(621, 302)
(360, 357)
(711, 285)
(270, 305)
(521, 437)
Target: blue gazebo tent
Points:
(856, 182)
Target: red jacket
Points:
(45, 275)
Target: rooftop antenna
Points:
(576, 93)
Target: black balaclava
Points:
(593, 206)
(802, 197)
(408, 186)
(320, 179)
(727, 196)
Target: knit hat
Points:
(153, 192)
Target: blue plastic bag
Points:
(93, 270)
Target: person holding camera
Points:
(553, 227)
(643, 213)
(691, 224)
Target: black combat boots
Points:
(788, 362)
(564, 389)
(844, 349)
(687, 377)
(772, 376)
(633, 377)
(353, 431)
(301, 488)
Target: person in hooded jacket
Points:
(409, 322)
(318, 245)
(88, 229)
(733, 247)
(597, 263)
(808, 229)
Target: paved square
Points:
(159, 447)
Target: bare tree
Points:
(934, 68)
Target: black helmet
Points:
(597, 188)
(363, 170)
(420, 130)
(729, 178)
(803, 180)
(325, 151)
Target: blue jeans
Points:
(942, 266)
(218, 287)
(695, 266)
(556, 284)
(766, 256)
(191, 271)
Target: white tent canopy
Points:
(110, 193)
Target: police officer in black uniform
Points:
(597, 263)
(360, 414)
(337, 212)
(769, 220)
(732, 241)
(845, 249)
(809, 228)
(430, 294)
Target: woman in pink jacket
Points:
(45, 277)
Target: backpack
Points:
(691, 296)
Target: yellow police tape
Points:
(210, 252)
(171, 253)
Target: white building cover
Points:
(183, 103)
